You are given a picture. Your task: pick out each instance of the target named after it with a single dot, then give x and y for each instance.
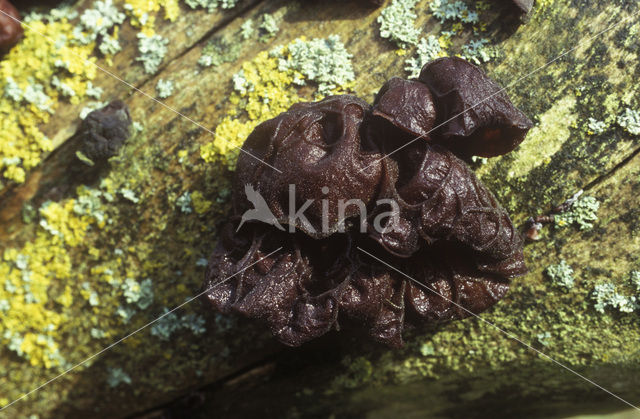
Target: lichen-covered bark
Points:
(147, 232)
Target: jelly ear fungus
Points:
(447, 233)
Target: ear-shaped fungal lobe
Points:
(456, 207)
(445, 202)
(296, 291)
(104, 131)
(476, 115)
(317, 147)
(408, 105)
(10, 29)
(453, 287)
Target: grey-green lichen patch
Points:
(622, 296)
(164, 88)
(97, 21)
(109, 45)
(139, 293)
(324, 61)
(211, 5)
(428, 49)
(219, 50)
(582, 213)
(117, 376)
(170, 322)
(561, 274)
(478, 51)
(184, 203)
(630, 121)
(596, 127)
(152, 51)
(397, 23)
(268, 27)
(453, 10)
(246, 29)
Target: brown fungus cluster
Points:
(442, 246)
(104, 131)
(10, 29)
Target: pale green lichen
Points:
(397, 23)
(630, 121)
(269, 26)
(211, 5)
(561, 274)
(109, 45)
(456, 10)
(90, 107)
(428, 49)
(129, 195)
(164, 88)
(152, 49)
(596, 127)
(184, 203)
(117, 376)
(97, 21)
(246, 29)
(94, 92)
(218, 51)
(607, 295)
(635, 280)
(477, 51)
(139, 293)
(171, 322)
(581, 213)
(321, 60)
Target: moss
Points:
(546, 137)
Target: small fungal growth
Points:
(10, 30)
(103, 132)
(305, 271)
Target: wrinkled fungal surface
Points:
(10, 30)
(475, 114)
(448, 248)
(103, 132)
(315, 145)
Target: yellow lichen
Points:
(200, 204)
(27, 96)
(143, 13)
(271, 93)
